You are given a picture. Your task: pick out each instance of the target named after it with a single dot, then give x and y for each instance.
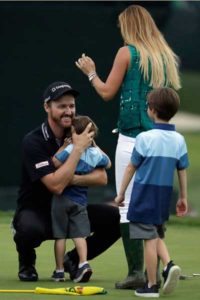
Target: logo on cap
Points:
(60, 87)
(57, 89)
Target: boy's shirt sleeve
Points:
(138, 153)
(63, 155)
(103, 162)
(95, 158)
(183, 161)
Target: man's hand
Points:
(83, 140)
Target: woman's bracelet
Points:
(92, 75)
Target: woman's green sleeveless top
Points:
(133, 117)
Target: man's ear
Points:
(46, 107)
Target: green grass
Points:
(193, 144)
(182, 241)
(189, 95)
(190, 92)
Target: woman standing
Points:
(144, 62)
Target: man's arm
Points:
(57, 163)
(62, 177)
(96, 177)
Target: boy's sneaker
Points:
(171, 277)
(83, 274)
(152, 292)
(58, 276)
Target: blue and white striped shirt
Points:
(90, 159)
(157, 154)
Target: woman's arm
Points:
(107, 90)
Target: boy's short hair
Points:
(80, 123)
(165, 101)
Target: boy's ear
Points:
(155, 111)
(73, 129)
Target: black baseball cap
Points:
(57, 89)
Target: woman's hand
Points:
(86, 65)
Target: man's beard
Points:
(59, 121)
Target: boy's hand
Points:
(181, 207)
(119, 200)
(67, 141)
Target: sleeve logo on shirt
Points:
(42, 164)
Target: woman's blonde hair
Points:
(139, 29)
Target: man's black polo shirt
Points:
(38, 147)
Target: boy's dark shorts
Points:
(69, 219)
(146, 231)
